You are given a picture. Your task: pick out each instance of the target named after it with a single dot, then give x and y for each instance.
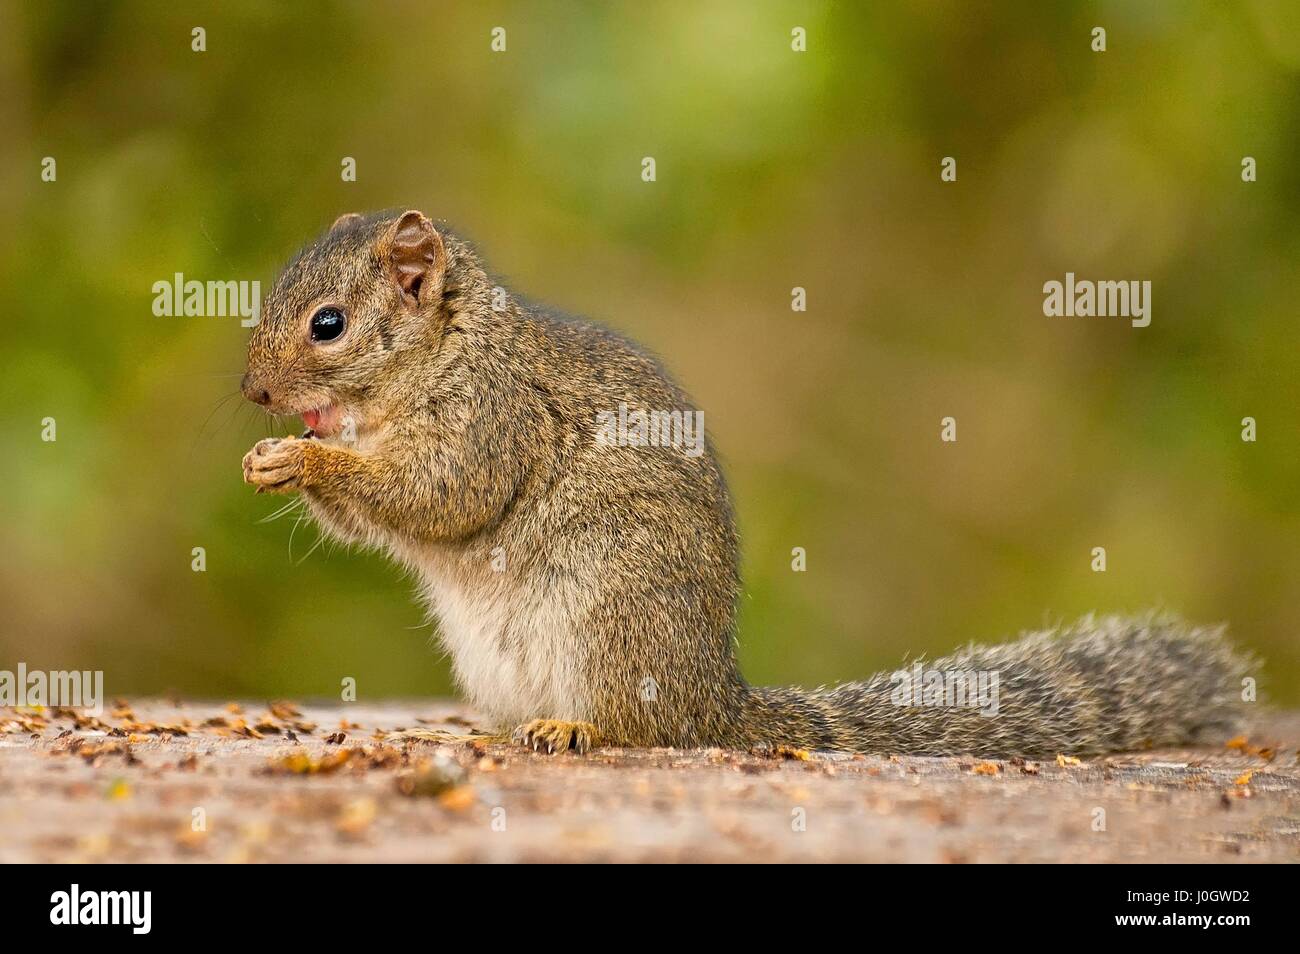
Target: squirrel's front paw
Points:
(552, 735)
(275, 465)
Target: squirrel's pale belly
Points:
(512, 640)
(512, 643)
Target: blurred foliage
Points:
(775, 169)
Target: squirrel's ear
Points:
(414, 255)
(344, 220)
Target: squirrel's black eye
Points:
(327, 324)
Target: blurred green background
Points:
(775, 169)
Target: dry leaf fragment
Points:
(457, 799)
(152, 728)
(986, 768)
(432, 778)
(285, 711)
(240, 727)
(354, 821)
(92, 751)
(1064, 760)
(190, 840)
(302, 762)
(384, 756)
(118, 790)
(1241, 744)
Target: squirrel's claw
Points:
(274, 465)
(556, 736)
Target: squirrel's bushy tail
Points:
(1099, 685)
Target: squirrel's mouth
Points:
(324, 420)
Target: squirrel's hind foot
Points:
(553, 735)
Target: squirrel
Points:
(586, 588)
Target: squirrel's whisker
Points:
(320, 538)
(296, 502)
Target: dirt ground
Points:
(162, 780)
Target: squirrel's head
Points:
(342, 313)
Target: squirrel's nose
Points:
(255, 393)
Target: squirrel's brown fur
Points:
(593, 586)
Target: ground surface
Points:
(156, 781)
